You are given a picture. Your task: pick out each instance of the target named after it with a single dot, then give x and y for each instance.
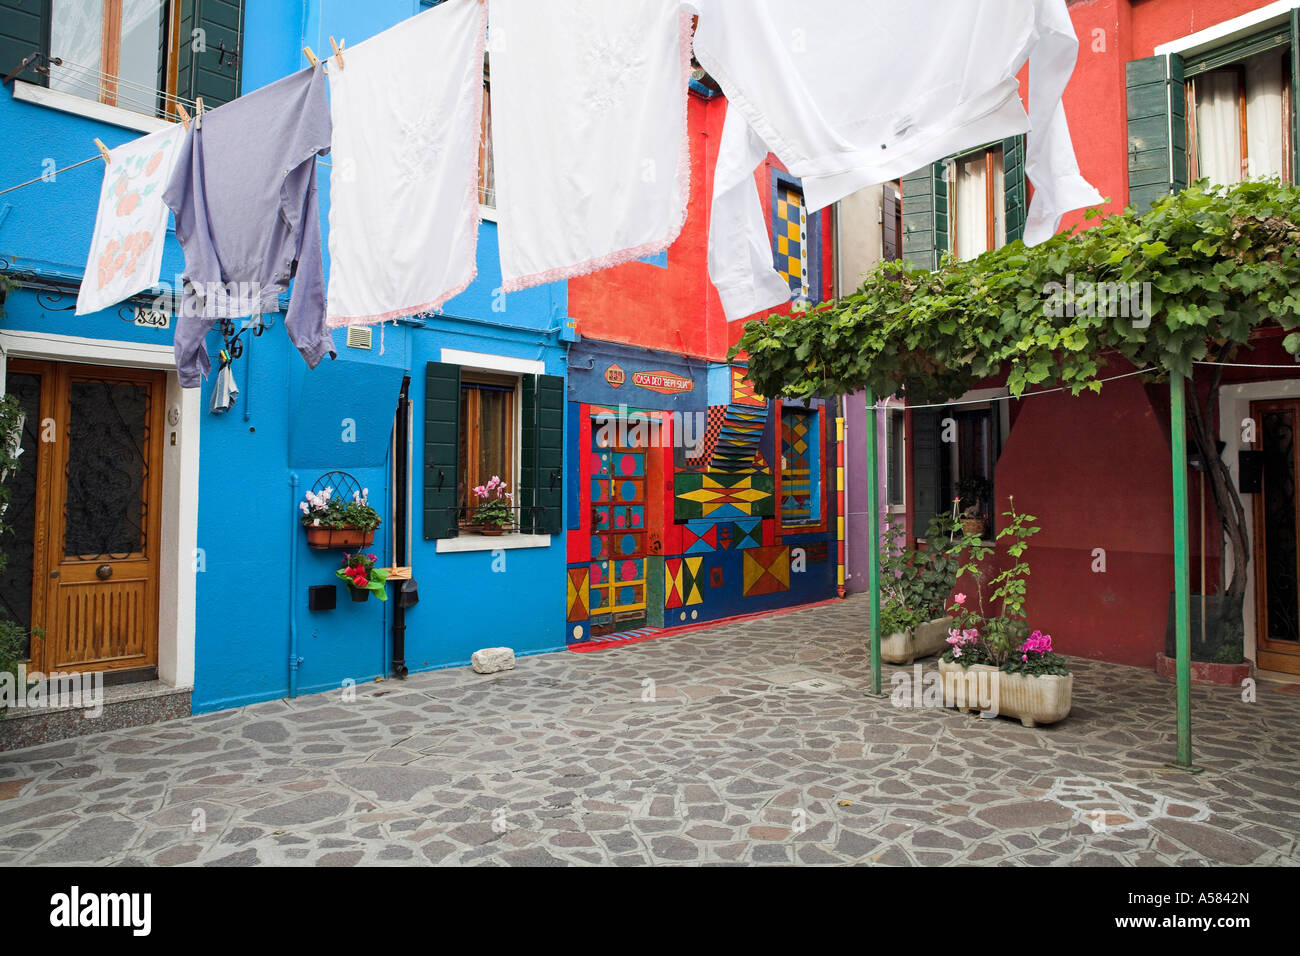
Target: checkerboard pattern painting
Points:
(790, 244)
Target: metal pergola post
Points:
(1182, 597)
(873, 544)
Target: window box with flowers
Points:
(993, 663)
(333, 522)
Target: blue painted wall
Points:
(290, 421)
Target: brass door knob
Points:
(104, 572)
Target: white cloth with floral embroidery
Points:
(588, 132)
(940, 77)
(131, 224)
(406, 108)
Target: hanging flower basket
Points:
(359, 594)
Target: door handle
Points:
(54, 573)
(104, 572)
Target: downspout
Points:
(841, 431)
(399, 523)
(294, 660)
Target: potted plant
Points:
(973, 493)
(362, 577)
(994, 663)
(332, 522)
(915, 586)
(495, 513)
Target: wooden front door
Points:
(96, 517)
(1277, 537)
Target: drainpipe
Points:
(248, 376)
(399, 524)
(294, 660)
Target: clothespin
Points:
(311, 57)
(338, 50)
(103, 151)
(198, 112)
(185, 117)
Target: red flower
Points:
(371, 557)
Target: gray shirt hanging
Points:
(244, 195)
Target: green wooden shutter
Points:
(1295, 95)
(441, 449)
(24, 30)
(541, 472)
(927, 470)
(213, 72)
(1013, 167)
(1157, 129)
(925, 216)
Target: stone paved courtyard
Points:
(734, 759)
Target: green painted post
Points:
(1182, 607)
(873, 542)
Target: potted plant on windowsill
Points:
(973, 494)
(993, 663)
(332, 522)
(362, 577)
(495, 513)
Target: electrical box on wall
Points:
(322, 597)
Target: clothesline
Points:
(131, 86)
(47, 176)
(1007, 398)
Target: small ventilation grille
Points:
(358, 337)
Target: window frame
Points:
(472, 377)
(818, 412)
(1208, 64)
(895, 424)
(995, 198)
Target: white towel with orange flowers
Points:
(131, 224)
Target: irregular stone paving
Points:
(562, 761)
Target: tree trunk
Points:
(1232, 514)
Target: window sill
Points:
(492, 542)
(26, 92)
(487, 213)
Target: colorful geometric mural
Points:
(766, 571)
(682, 582)
(617, 550)
(716, 416)
(742, 390)
(703, 535)
(791, 225)
(722, 495)
(798, 434)
(739, 438)
(579, 595)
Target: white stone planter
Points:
(1033, 698)
(903, 647)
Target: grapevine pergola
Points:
(1188, 282)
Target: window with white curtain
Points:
(110, 50)
(977, 182)
(1241, 120)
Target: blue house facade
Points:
(153, 535)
